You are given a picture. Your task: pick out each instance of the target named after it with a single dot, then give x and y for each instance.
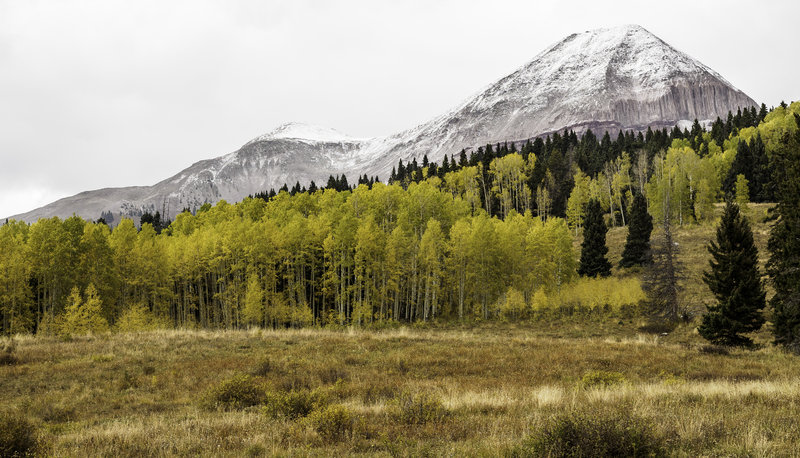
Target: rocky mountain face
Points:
(605, 79)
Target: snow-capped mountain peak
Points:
(307, 132)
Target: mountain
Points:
(605, 79)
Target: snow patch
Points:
(308, 132)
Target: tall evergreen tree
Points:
(637, 245)
(784, 242)
(761, 179)
(593, 248)
(735, 281)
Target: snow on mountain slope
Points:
(606, 79)
(307, 132)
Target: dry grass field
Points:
(455, 392)
(479, 389)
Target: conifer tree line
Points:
(449, 240)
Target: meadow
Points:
(448, 391)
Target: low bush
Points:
(611, 295)
(378, 392)
(139, 318)
(294, 404)
(236, 392)
(17, 436)
(418, 409)
(578, 434)
(331, 375)
(262, 368)
(333, 423)
(593, 379)
(7, 356)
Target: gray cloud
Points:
(113, 93)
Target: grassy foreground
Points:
(487, 390)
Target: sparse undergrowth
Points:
(452, 390)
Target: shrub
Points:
(17, 436)
(256, 450)
(333, 423)
(263, 368)
(7, 356)
(83, 317)
(138, 318)
(603, 295)
(418, 409)
(378, 392)
(601, 378)
(577, 434)
(294, 404)
(332, 375)
(236, 392)
(513, 306)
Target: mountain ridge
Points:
(620, 78)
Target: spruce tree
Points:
(593, 248)
(784, 242)
(735, 281)
(762, 187)
(637, 245)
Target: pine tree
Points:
(593, 248)
(761, 180)
(784, 243)
(735, 281)
(742, 164)
(637, 245)
(762, 113)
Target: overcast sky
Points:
(116, 93)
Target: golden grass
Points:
(139, 394)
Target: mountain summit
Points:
(606, 79)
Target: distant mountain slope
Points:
(605, 79)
